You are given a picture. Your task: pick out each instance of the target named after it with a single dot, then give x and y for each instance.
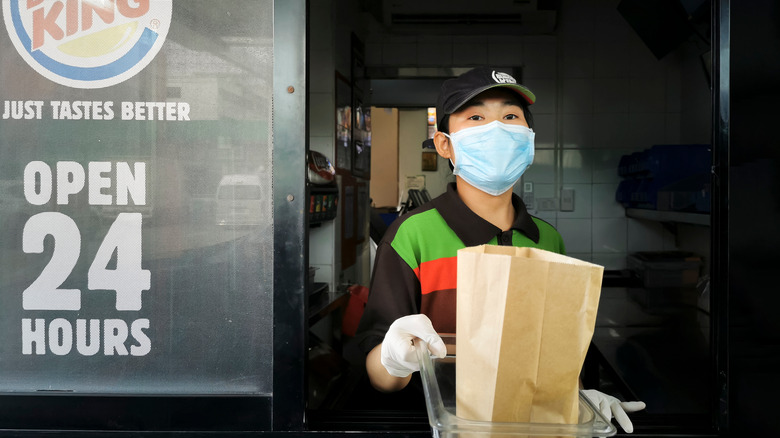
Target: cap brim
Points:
(521, 90)
(526, 94)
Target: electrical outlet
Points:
(528, 195)
(567, 199)
(546, 204)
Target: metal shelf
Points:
(669, 216)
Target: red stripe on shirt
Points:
(439, 274)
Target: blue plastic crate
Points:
(657, 167)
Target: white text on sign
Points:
(116, 266)
(58, 336)
(95, 110)
(100, 176)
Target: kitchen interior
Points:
(622, 166)
(629, 101)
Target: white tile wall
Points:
(585, 256)
(541, 189)
(547, 216)
(544, 128)
(544, 190)
(540, 60)
(673, 90)
(610, 261)
(643, 63)
(645, 236)
(609, 25)
(577, 167)
(323, 31)
(648, 95)
(582, 203)
(610, 60)
(605, 165)
(399, 52)
(609, 235)
(604, 203)
(505, 51)
(320, 252)
(469, 51)
(578, 96)
(322, 144)
(321, 60)
(673, 128)
(545, 90)
(646, 129)
(609, 94)
(577, 130)
(324, 241)
(543, 168)
(578, 59)
(322, 114)
(576, 20)
(576, 234)
(434, 51)
(373, 53)
(601, 94)
(611, 131)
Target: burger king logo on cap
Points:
(87, 43)
(503, 78)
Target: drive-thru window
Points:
(184, 183)
(136, 138)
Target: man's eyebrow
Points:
(471, 103)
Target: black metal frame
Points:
(290, 126)
(225, 415)
(750, 340)
(719, 270)
(283, 413)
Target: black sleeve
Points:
(394, 292)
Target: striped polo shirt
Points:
(415, 264)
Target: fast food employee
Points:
(485, 129)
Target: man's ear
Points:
(443, 145)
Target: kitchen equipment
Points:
(319, 169)
(323, 191)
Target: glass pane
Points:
(136, 219)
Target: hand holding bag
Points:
(525, 318)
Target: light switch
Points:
(567, 199)
(528, 195)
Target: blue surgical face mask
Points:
(492, 157)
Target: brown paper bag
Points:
(525, 318)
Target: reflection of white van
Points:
(239, 200)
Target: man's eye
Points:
(475, 117)
(510, 116)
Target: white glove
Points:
(610, 406)
(398, 353)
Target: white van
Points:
(240, 200)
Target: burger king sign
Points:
(87, 43)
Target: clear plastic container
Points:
(438, 377)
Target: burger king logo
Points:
(503, 78)
(87, 43)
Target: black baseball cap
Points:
(457, 91)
